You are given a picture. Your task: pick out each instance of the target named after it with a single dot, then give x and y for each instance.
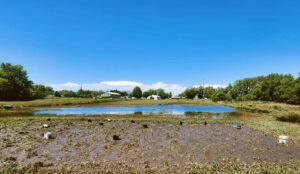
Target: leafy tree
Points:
(190, 93)
(137, 92)
(57, 94)
(149, 92)
(208, 92)
(219, 95)
(41, 91)
(162, 93)
(14, 83)
(67, 93)
(84, 93)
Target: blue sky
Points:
(172, 42)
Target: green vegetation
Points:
(274, 87)
(290, 117)
(55, 102)
(87, 101)
(41, 91)
(14, 83)
(136, 92)
(160, 92)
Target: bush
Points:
(291, 117)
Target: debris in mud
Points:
(48, 119)
(45, 125)
(132, 121)
(48, 135)
(205, 123)
(11, 159)
(237, 126)
(7, 107)
(116, 137)
(89, 120)
(22, 133)
(144, 125)
(101, 124)
(283, 139)
(38, 164)
(181, 123)
(109, 120)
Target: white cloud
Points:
(124, 86)
(121, 83)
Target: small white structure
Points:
(283, 139)
(154, 97)
(48, 135)
(45, 125)
(111, 95)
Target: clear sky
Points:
(184, 43)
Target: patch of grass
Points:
(250, 109)
(216, 166)
(90, 101)
(290, 117)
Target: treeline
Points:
(15, 85)
(274, 87)
(138, 93)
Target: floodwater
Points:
(123, 110)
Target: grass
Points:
(90, 101)
(290, 117)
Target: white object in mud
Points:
(48, 135)
(109, 120)
(45, 125)
(283, 139)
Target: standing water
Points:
(123, 110)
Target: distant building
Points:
(154, 97)
(110, 95)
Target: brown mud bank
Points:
(151, 145)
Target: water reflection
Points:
(140, 110)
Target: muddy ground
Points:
(87, 146)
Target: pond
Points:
(123, 110)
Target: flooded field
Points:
(136, 144)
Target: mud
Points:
(83, 142)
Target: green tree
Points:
(40, 91)
(219, 95)
(149, 92)
(208, 92)
(136, 92)
(67, 93)
(14, 82)
(190, 93)
(162, 93)
(57, 94)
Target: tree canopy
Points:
(136, 92)
(273, 87)
(14, 82)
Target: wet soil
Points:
(81, 142)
